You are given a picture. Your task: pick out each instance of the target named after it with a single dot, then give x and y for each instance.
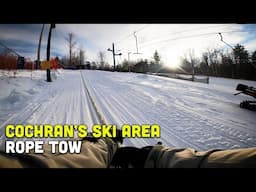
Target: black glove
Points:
(131, 157)
(90, 138)
(119, 138)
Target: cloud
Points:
(20, 33)
(251, 45)
(171, 40)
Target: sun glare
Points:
(172, 61)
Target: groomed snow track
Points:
(98, 116)
(201, 116)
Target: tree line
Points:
(237, 63)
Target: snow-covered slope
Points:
(190, 114)
(202, 116)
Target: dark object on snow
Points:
(20, 62)
(251, 91)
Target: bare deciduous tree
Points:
(71, 44)
(81, 56)
(214, 60)
(192, 61)
(101, 56)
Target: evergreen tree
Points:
(156, 58)
(243, 67)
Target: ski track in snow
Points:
(190, 114)
(64, 101)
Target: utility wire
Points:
(201, 28)
(10, 49)
(190, 36)
(193, 29)
(131, 34)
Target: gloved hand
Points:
(116, 139)
(119, 138)
(132, 157)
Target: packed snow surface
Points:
(190, 114)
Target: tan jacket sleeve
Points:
(93, 155)
(164, 157)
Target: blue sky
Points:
(172, 41)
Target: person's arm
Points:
(165, 157)
(97, 154)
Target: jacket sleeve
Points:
(164, 157)
(93, 155)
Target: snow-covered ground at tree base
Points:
(190, 114)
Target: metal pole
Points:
(193, 70)
(129, 69)
(114, 54)
(233, 66)
(224, 41)
(48, 72)
(136, 42)
(39, 46)
(113, 51)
